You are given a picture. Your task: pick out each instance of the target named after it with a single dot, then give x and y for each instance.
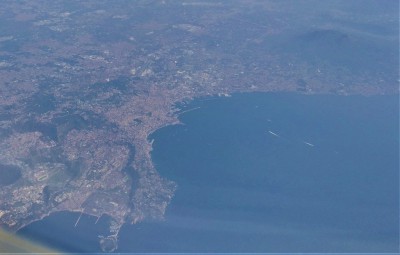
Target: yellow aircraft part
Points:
(10, 243)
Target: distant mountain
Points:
(355, 52)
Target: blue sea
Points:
(266, 172)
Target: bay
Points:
(266, 172)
